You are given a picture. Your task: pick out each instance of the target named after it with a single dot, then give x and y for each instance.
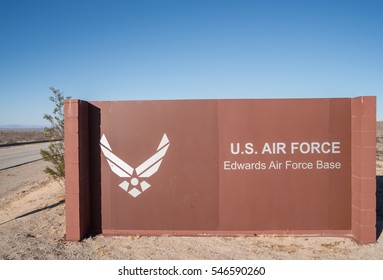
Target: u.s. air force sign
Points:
(221, 166)
(225, 165)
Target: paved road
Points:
(16, 155)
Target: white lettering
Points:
(275, 148)
(249, 149)
(275, 165)
(234, 151)
(315, 147)
(328, 165)
(228, 165)
(266, 149)
(298, 165)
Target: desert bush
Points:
(55, 152)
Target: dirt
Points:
(8, 136)
(25, 176)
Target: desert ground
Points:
(32, 226)
(21, 135)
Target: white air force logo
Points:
(145, 170)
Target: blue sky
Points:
(186, 49)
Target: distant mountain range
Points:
(20, 126)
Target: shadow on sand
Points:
(379, 206)
(35, 211)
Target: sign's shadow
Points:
(379, 206)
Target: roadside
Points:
(25, 176)
(18, 155)
(21, 135)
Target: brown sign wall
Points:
(221, 166)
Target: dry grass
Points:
(9, 136)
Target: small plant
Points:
(55, 152)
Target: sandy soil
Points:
(32, 226)
(21, 135)
(28, 175)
